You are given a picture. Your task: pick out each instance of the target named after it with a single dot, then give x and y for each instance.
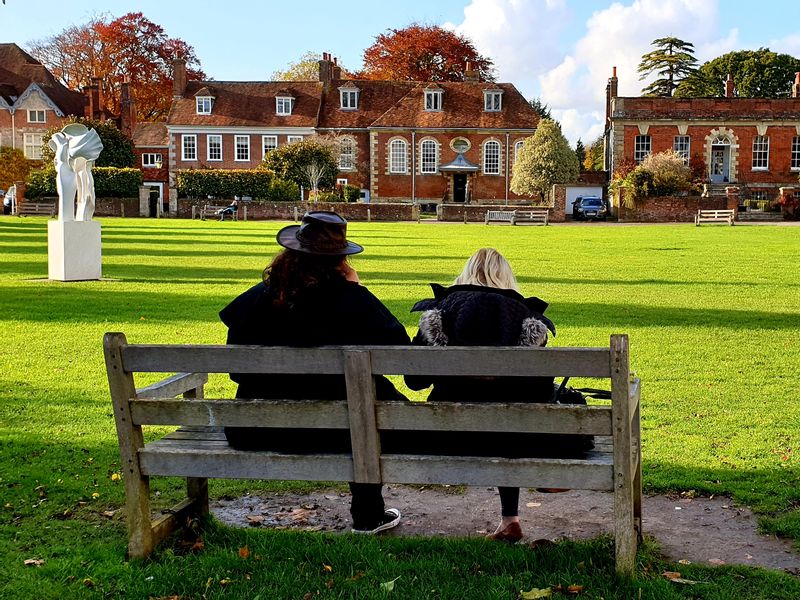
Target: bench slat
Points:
(173, 386)
(386, 360)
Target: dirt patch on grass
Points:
(700, 530)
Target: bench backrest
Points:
(715, 213)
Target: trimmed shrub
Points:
(352, 193)
(109, 182)
(284, 191)
(224, 183)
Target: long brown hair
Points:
(292, 273)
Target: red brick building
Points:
(398, 140)
(752, 143)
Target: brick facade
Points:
(680, 209)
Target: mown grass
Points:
(712, 316)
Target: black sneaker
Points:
(391, 518)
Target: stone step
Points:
(759, 216)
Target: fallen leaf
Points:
(224, 581)
(308, 596)
(88, 583)
(683, 561)
(671, 574)
(108, 513)
(536, 593)
(327, 568)
(716, 561)
(533, 504)
(33, 562)
(115, 477)
(675, 577)
(244, 552)
(255, 520)
(356, 577)
(197, 546)
(95, 495)
(329, 583)
(574, 589)
(388, 586)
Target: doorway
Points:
(459, 187)
(720, 163)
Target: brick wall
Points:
(681, 209)
(352, 211)
(476, 213)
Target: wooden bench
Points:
(504, 216)
(539, 216)
(36, 208)
(208, 210)
(714, 216)
(198, 450)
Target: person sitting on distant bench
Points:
(228, 210)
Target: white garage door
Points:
(575, 191)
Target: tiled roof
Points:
(374, 99)
(249, 104)
(19, 69)
(717, 109)
(150, 134)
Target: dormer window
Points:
(348, 98)
(493, 100)
(204, 104)
(433, 99)
(283, 105)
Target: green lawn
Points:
(713, 319)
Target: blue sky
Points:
(560, 50)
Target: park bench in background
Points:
(208, 210)
(198, 450)
(714, 216)
(36, 208)
(503, 216)
(538, 216)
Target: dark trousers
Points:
(509, 501)
(367, 506)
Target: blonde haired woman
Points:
(484, 308)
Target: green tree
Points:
(310, 163)
(540, 107)
(580, 152)
(546, 158)
(673, 60)
(13, 166)
(117, 149)
(756, 74)
(306, 68)
(595, 155)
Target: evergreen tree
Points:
(540, 107)
(546, 158)
(580, 152)
(673, 60)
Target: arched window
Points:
(427, 153)
(517, 147)
(397, 157)
(347, 154)
(491, 158)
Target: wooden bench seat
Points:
(209, 210)
(36, 208)
(538, 216)
(198, 449)
(714, 216)
(501, 216)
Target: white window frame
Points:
(341, 181)
(284, 105)
(492, 101)
(32, 145)
(347, 154)
(794, 164)
(682, 144)
(642, 147)
(292, 139)
(217, 138)
(348, 99)
(203, 104)
(152, 160)
(398, 157)
(488, 167)
(761, 153)
(189, 142)
(241, 148)
(265, 148)
(33, 116)
(431, 165)
(517, 147)
(434, 100)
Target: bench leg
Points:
(197, 490)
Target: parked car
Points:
(589, 207)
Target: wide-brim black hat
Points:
(320, 232)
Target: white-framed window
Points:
(491, 158)
(760, 153)
(398, 157)
(33, 145)
(37, 116)
(681, 145)
(291, 139)
(348, 99)
(493, 101)
(433, 99)
(641, 148)
(204, 105)
(427, 152)
(242, 145)
(214, 144)
(283, 105)
(460, 145)
(189, 147)
(341, 181)
(795, 164)
(268, 143)
(517, 147)
(347, 154)
(152, 160)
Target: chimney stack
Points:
(729, 86)
(470, 74)
(325, 70)
(796, 86)
(127, 109)
(611, 92)
(178, 77)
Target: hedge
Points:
(227, 183)
(109, 182)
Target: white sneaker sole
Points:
(383, 527)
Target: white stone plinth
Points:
(73, 250)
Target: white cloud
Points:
(787, 45)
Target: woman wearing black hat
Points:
(485, 308)
(310, 296)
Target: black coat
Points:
(338, 313)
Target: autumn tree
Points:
(13, 166)
(595, 155)
(306, 68)
(546, 158)
(673, 61)
(424, 53)
(112, 49)
(756, 74)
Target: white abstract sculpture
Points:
(76, 147)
